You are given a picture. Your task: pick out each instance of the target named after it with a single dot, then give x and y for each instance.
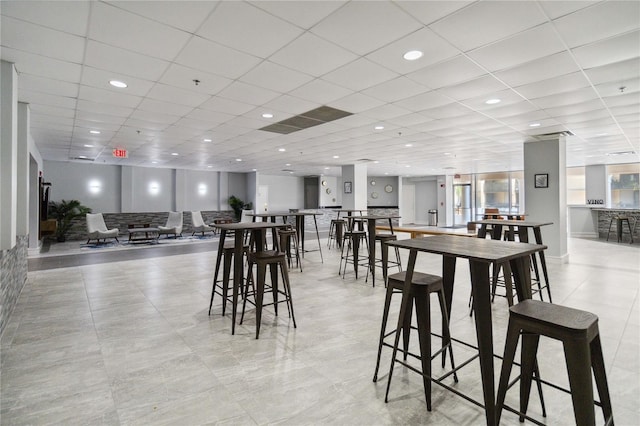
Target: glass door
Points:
(461, 204)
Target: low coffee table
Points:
(151, 235)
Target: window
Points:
(624, 185)
(576, 184)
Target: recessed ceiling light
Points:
(492, 101)
(602, 134)
(174, 153)
(327, 168)
(86, 145)
(267, 115)
(206, 140)
(407, 165)
(254, 170)
(238, 159)
(209, 166)
(409, 145)
(386, 173)
(282, 149)
(379, 128)
(94, 132)
(290, 173)
(447, 153)
(117, 83)
(534, 125)
(376, 162)
(288, 164)
(154, 162)
(336, 156)
(412, 55)
(82, 156)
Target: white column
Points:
(356, 174)
(8, 154)
(22, 171)
(596, 188)
(548, 204)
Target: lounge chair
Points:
(198, 223)
(173, 226)
(97, 229)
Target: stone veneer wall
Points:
(324, 221)
(604, 219)
(12, 278)
(154, 219)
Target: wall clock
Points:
(388, 188)
(374, 195)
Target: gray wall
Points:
(383, 198)
(426, 198)
(285, 192)
(196, 190)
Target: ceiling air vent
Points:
(315, 117)
(83, 158)
(556, 134)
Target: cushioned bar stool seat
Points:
(422, 286)
(274, 259)
(351, 242)
(578, 331)
(221, 287)
(620, 221)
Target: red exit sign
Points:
(120, 153)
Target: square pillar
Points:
(8, 154)
(355, 176)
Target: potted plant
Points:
(64, 212)
(238, 205)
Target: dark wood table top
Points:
(247, 225)
(271, 214)
(525, 223)
(141, 230)
(379, 216)
(477, 249)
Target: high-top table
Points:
(481, 253)
(300, 216)
(371, 230)
(258, 232)
(521, 228)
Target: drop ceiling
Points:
(199, 71)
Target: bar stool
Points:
(578, 331)
(221, 287)
(352, 239)
(273, 259)
(335, 232)
(285, 239)
(620, 220)
(422, 286)
(384, 257)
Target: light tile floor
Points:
(130, 342)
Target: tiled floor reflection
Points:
(130, 342)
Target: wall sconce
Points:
(154, 188)
(202, 189)
(95, 186)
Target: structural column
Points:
(354, 179)
(546, 192)
(8, 154)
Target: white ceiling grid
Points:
(565, 65)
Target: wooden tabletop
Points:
(247, 225)
(379, 217)
(524, 223)
(270, 214)
(470, 248)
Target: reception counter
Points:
(593, 222)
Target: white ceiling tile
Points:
(124, 62)
(31, 97)
(446, 73)
(565, 83)
(617, 87)
(360, 74)
(108, 97)
(116, 27)
(539, 69)
(289, 104)
(576, 108)
(153, 105)
(356, 102)
(209, 116)
(102, 126)
(163, 92)
(424, 101)
(386, 112)
(70, 17)
(179, 76)
(408, 120)
(156, 117)
(28, 63)
(47, 85)
(312, 55)
(226, 106)
(52, 111)
(100, 108)
(194, 124)
(247, 93)
(246, 28)
(556, 9)
(524, 47)
(603, 20)
(433, 47)
(351, 26)
(619, 71)
(302, 14)
(447, 111)
(320, 91)
(429, 12)
(396, 89)
(275, 77)
(212, 57)
(611, 50)
(480, 86)
(39, 40)
(486, 22)
(100, 118)
(185, 15)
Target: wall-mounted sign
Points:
(120, 153)
(595, 201)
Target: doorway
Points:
(461, 204)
